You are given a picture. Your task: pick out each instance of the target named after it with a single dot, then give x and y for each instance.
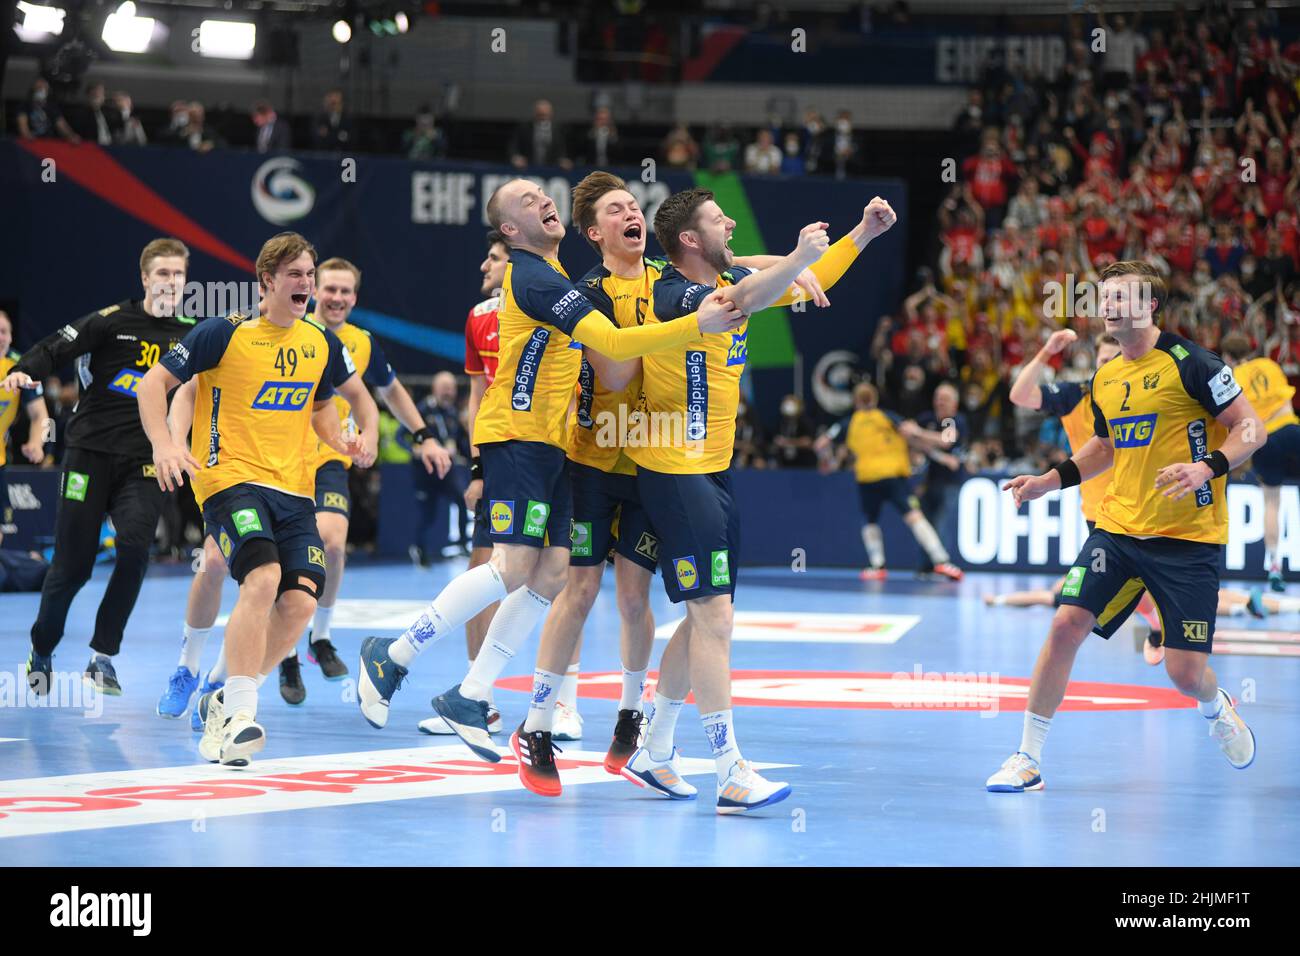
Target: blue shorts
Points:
(1113, 570)
(5, 513)
(332, 489)
(874, 494)
(482, 537)
(526, 487)
(608, 519)
(245, 513)
(697, 522)
(1278, 462)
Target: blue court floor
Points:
(885, 705)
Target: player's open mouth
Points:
(300, 298)
(549, 218)
(632, 232)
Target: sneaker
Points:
(1236, 740)
(536, 756)
(292, 688)
(211, 710)
(323, 655)
(745, 790)
(1275, 581)
(380, 679)
(1018, 773)
(949, 571)
(627, 735)
(1255, 603)
(1153, 648)
(100, 673)
(437, 727)
(467, 719)
(241, 738)
(873, 574)
(40, 673)
(567, 724)
(181, 687)
(659, 776)
(209, 687)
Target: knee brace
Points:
(293, 581)
(253, 555)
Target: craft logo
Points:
(280, 195)
(502, 516)
(282, 396)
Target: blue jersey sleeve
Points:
(203, 348)
(676, 296)
(1060, 398)
(546, 296)
(339, 367)
(1207, 379)
(379, 374)
(1100, 427)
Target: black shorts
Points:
(608, 519)
(697, 522)
(526, 486)
(332, 489)
(245, 512)
(1278, 462)
(874, 494)
(1113, 570)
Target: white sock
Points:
(1034, 735)
(929, 541)
(240, 694)
(542, 709)
(1270, 561)
(569, 687)
(511, 625)
(218, 672)
(192, 643)
(998, 599)
(663, 725)
(873, 539)
(1211, 709)
(460, 600)
(98, 656)
(1287, 604)
(1236, 610)
(320, 623)
(491, 698)
(722, 738)
(292, 654)
(633, 690)
(261, 679)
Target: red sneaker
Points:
(874, 574)
(950, 571)
(536, 756)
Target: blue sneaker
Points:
(468, 718)
(40, 673)
(181, 686)
(1255, 605)
(1275, 581)
(101, 674)
(380, 679)
(209, 687)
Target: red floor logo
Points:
(901, 691)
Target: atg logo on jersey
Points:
(1134, 431)
(526, 371)
(125, 382)
(688, 578)
(283, 396)
(739, 351)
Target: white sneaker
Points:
(437, 727)
(1236, 740)
(1018, 773)
(211, 710)
(745, 790)
(567, 724)
(243, 738)
(660, 776)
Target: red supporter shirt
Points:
(481, 343)
(989, 178)
(1272, 189)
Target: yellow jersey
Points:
(687, 423)
(372, 366)
(1072, 404)
(258, 384)
(879, 451)
(1269, 391)
(1158, 411)
(598, 432)
(9, 402)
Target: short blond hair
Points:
(338, 264)
(1143, 270)
(159, 248)
(279, 249)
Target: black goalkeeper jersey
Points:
(113, 348)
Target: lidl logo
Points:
(581, 547)
(75, 484)
(688, 578)
(283, 396)
(125, 382)
(246, 521)
(502, 516)
(1073, 582)
(1135, 431)
(335, 500)
(739, 351)
(535, 518)
(720, 569)
(224, 543)
(315, 555)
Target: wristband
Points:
(1218, 463)
(476, 469)
(1069, 473)
(420, 436)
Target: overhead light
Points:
(342, 31)
(403, 22)
(227, 39)
(124, 32)
(39, 23)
